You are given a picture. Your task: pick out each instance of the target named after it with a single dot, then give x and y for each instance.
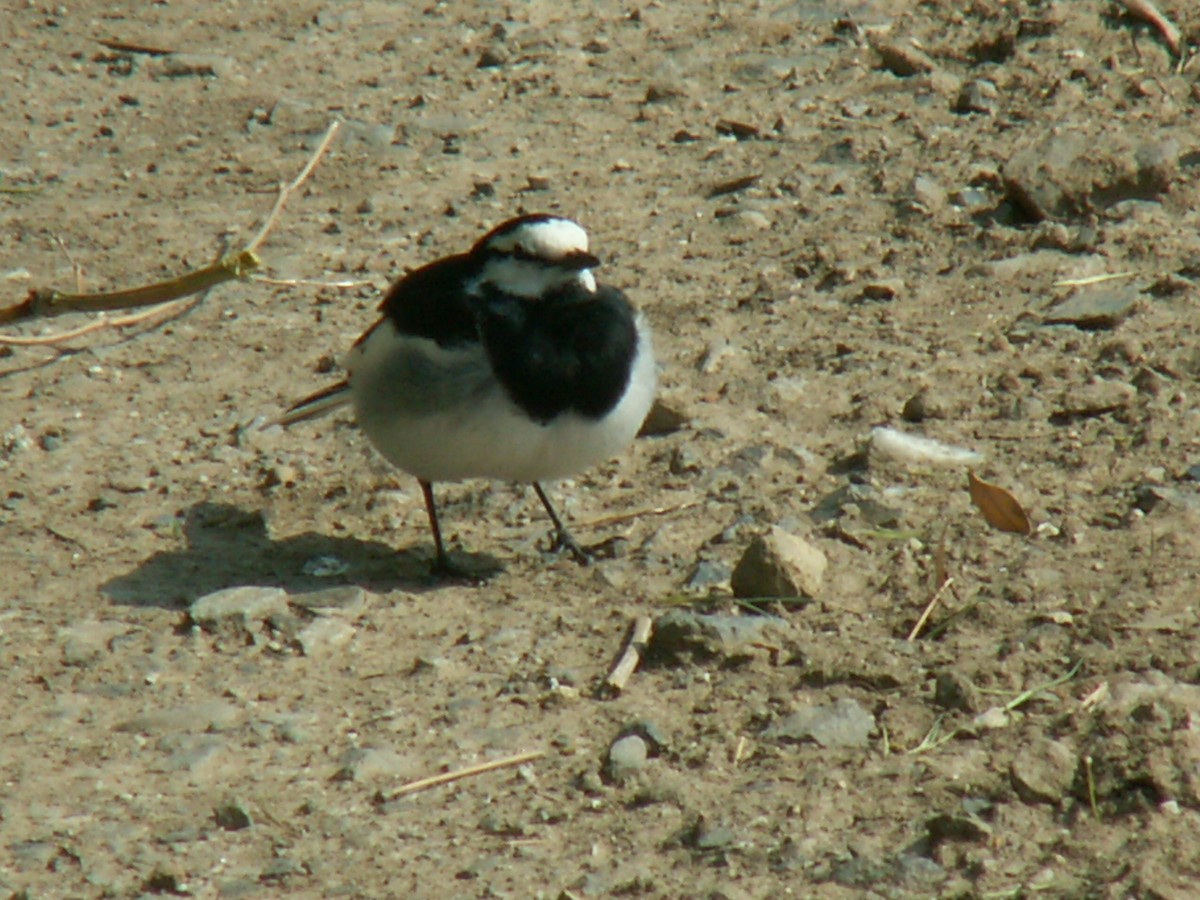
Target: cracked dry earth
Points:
(974, 223)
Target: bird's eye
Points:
(520, 252)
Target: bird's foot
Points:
(472, 567)
(564, 542)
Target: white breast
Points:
(440, 415)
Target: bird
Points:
(508, 362)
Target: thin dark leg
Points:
(442, 562)
(562, 537)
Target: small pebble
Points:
(238, 607)
(626, 757)
(979, 96)
(843, 723)
(779, 564)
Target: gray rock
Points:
(190, 752)
(626, 757)
(213, 715)
(1068, 171)
(860, 501)
(232, 815)
(779, 564)
(881, 289)
(682, 634)
(979, 96)
(281, 869)
(1098, 397)
(324, 635)
(371, 763)
(589, 782)
(843, 723)
(955, 827)
(928, 194)
(861, 872)
(708, 573)
(325, 567)
(86, 643)
(1094, 310)
(191, 65)
(1043, 771)
(1149, 497)
(709, 835)
(923, 405)
(686, 460)
(901, 57)
(656, 739)
(15, 440)
(238, 608)
(346, 600)
(954, 691)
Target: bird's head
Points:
(532, 255)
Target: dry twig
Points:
(1148, 12)
(617, 518)
(635, 646)
(286, 190)
(422, 784)
(176, 308)
(49, 303)
(933, 601)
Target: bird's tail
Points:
(319, 404)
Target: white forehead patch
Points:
(550, 240)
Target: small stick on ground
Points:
(422, 784)
(739, 751)
(933, 601)
(1148, 12)
(311, 282)
(617, 518)
(1091, 786)
(635, 646)
(238, 265)
(49, 303)
(177, 308)
(129, 47)
(286, 190)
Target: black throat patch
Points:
(568, 351)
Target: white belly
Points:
(439, 414)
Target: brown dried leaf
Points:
(1001, 509)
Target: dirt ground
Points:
(831, 229)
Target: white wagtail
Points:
(507, 362)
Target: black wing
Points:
(432, 302)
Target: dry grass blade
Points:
(617, 518)
(933, 601)
(1148, 12)
(999, 507)
(422, 784)
(935, 737)
(286, 190)
(156, 315)
(130, 47)
(48, 303)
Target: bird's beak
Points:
(579, 260)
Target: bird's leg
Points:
(562, 537)
(467, 568)
(441, 563)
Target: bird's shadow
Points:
(229, 547)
